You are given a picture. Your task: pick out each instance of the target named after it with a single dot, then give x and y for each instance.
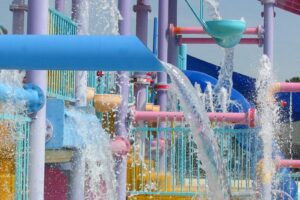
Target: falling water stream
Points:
(207, 147)
(100, 177)
(267, 112)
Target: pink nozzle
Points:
(120, 146)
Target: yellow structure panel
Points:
(7, 186)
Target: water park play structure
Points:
(103, 117)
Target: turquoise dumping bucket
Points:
(227, 33)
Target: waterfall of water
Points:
(267, 112)
(207, 147)
(100, 182)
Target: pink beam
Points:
(212, 41)
(199, 30)
(287, 87)
(287, 163)
(233, 118)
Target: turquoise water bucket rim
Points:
(227, 33)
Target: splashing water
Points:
(101, 182)
(267, 112)
(104, 17)
(208, 150)
(213, 9)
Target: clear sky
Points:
(287, 32)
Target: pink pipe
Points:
(289, 87)
(212, 41)
(288, 163)
(234, 118)
(199, 30)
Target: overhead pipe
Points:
(234, 118)
(31, 94)
(72, 52)
(182, 40)
(176, 30)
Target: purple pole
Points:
(60, 5)
(162, 50)
(162, 77)
(123, 89)
(80, 14)
(269, 28)
(172, 46)
(269, 51)
(37, 24)
(18, 8)
(142, 8)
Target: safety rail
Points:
(61, 83)
(14, 156)
(170, 166)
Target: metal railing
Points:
(61, 84)
(14, 156)
(174, 169)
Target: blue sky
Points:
(287, 32)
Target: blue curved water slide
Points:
(287, 184)
(245, 85)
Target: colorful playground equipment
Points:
(148, 136)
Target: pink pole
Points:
(234, 118)
(199, 30)
(288, 163)
(212, 41)
(289, 87)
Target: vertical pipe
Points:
(123, 89)
(80, 10)
(269, 51)
(269, 29)
(18, 8)
(142, 8)
(37, 24)
(162, 50)
(155, 36)
(60, 5)
(172, 46)
(162, 55)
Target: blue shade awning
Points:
(292, 6)
(107, 53)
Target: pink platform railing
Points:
(229, 117)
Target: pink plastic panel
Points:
(289, 5)
(55, 184)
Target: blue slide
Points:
(287, 184)
(244, 84)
